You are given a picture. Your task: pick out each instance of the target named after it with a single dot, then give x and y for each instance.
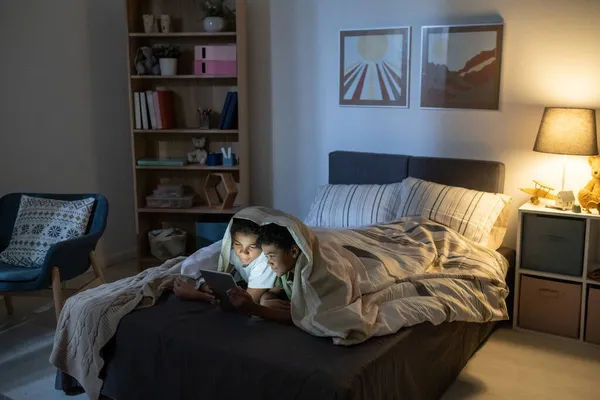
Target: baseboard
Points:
(122, 256)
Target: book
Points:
(224, 110)
(151, 110)
(157, 111)
(166, 105)
(144, 106)
(232, 111)
(138, 111)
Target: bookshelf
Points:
(190, 92)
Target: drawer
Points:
(592, 321)
(215, 68)
(553, 244)
(216, 53)
(550, 306)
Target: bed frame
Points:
(194, 343)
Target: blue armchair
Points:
(64, 261)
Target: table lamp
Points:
(567, 131)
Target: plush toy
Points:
(589, 196)
(199, 155)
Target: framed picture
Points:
(460, 66)
(374, 67)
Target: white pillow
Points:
(40, 224)
(349, 206)
(474, 214)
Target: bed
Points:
(190, 350)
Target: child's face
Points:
(281, 261)
(245, 247)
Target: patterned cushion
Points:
(347, 206)
(474, 214)
(41, 223)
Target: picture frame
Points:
(375, 67)
(461, 66)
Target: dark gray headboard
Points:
(347, 167)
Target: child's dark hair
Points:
(276, 235)
(245, 227)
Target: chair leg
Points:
(57, 292)
(8, 304)
(98, 269)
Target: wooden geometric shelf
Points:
(214, 198)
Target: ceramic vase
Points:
(148, 20)
(214, 24)
(165, 23)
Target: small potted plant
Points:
(167, 58)
(214, 15)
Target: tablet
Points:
(220, 283)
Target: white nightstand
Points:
(555, 251)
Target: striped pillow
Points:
(349, 206)
(469, 212)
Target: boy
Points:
(246, 257)
(282, 252)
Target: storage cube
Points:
(228, 68)
(553, 244)
(208, 233)
(216, 53)
(592, 322)
(550, 306)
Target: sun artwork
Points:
(373, 48)
(373, 68)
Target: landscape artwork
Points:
(374, 67)
(460, 66)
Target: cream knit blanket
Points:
(89, 320)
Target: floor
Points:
(511, 365)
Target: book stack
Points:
(154, 109)
(229, 114)
(170, 196)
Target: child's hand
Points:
(206, 289)
(241, 300)
(188, 291)
(276, 304)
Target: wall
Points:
(63, 106)
(551, 57)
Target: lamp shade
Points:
(570, 131)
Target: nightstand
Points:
(553, 295)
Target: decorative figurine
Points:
(205, 117)
(539, 191)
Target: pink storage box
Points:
(216, 53)
(228, 68)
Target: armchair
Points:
(64, 260)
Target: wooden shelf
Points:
(182, 34)
(190, 167)
(192, 210)
(551, 275)
(181, 77)
(190, 92)
(188, 131)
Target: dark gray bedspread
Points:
(190, 350)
